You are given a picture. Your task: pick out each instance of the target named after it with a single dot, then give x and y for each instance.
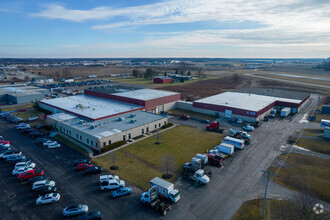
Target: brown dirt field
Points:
(205, 88)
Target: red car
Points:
(30, 174)
(83, 166)
(214, 159)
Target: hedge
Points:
(112, 146)
(167, 125)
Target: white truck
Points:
(238, 134)
(151, 199)
(165, 189)
(285, 112)
(203, 157)
(198, 176)
(238, 143)
(194, 164)
(226, 148)
(272, 113)
(109, 182)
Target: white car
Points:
(42, 183)
(111, 184)
(19, 170)
(20, 125)
(23, 127)
(49, 142)
(8, 154)
(108, 177)
(54, 145)
(25, 164)
(248, 128)
(239, 121)
(48, 198)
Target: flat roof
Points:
(109, 126)
(244, 101)
(274, 93)
(145, 94)
(90, 106)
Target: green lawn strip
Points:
(317, 145)
(279, 209)
(27, 114)
(71, 144)
(322, 116)
(193, 114)
(141, 161)
(305, 171)
(316, 131)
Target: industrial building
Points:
(162, 79)
(98, 134)
(21, 94)
(150, 99)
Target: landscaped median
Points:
(142, 161)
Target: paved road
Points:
(238, 181)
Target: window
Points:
(147, 129)
(70, 132)
(109, 142)
(80, 137)
(91, 142)
(165, 123)
(104, 144)
(124, 137)
(129, 136)
(77, 136)
(159, 125)
(87, 141)
(142, 130)
(155, 126)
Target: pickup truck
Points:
(214, 159)
(30, 174)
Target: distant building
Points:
(162, 79)
(21, 94)
(42, 80)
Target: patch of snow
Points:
(300, 148)
(304, 119)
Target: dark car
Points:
(37, 178)
(80, 161)
(35, 134)
(14, 158)
(45, 189)
(93, 170)
(21, 159)
(26, 131)
(92, 216)
(41, 140)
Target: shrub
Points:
(167, 125)
(112, 146)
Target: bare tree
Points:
(304, 203)
(200, 73)
(168, 165)
(113, 158)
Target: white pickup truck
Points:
(109, 182)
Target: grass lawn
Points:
(22, 106)
(134, 81)
(71, 144)
(305, 171)
(275, 209)
(25, 115)
(322, 116)
(317, 145)
(141, 161)
(193, 114)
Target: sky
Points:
(165, 28)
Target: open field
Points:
(192, 114)
(16, 107)
(313, 81)
(321, 145)
(305, 171)
(275, 209)
(141, 161)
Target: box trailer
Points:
(226, 148)
(203, 157)
(238, 143)
(285, 112)
(165, 189)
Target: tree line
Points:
(325, 65)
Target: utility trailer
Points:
(152, 200)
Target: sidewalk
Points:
(133, 141)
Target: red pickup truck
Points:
(30, 174)
(214, 159)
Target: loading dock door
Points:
(228, 113)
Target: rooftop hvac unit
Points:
(133, 121)
(121, 118)
(81, 122)
(80, 106)
(132, 115)
(93, 126)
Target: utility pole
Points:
(268, 174)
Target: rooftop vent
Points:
(81, 122)
(92, 126)
(132, 115)
(80, 106)
(133, 121)
(121, 119)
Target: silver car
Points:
(75, 210)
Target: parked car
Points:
(9, 153)
(93, 170)
(53, 145)
(83, 166)
(266, 119)
(21, 158)
(48, 198)
(25, 164)
(13, 158)
(37, 178)
(17, 171)
(35, 134)
(27, 130)
(22, 127)
(49, 142)
(248, 128)
(122, 191)
(44, 190)
(41, 140)
(42, 183)
(232, 119)
(75, 210)
(80, 161)
(239, 121)
(92, 216)
(30, 174)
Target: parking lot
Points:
(238, 181)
